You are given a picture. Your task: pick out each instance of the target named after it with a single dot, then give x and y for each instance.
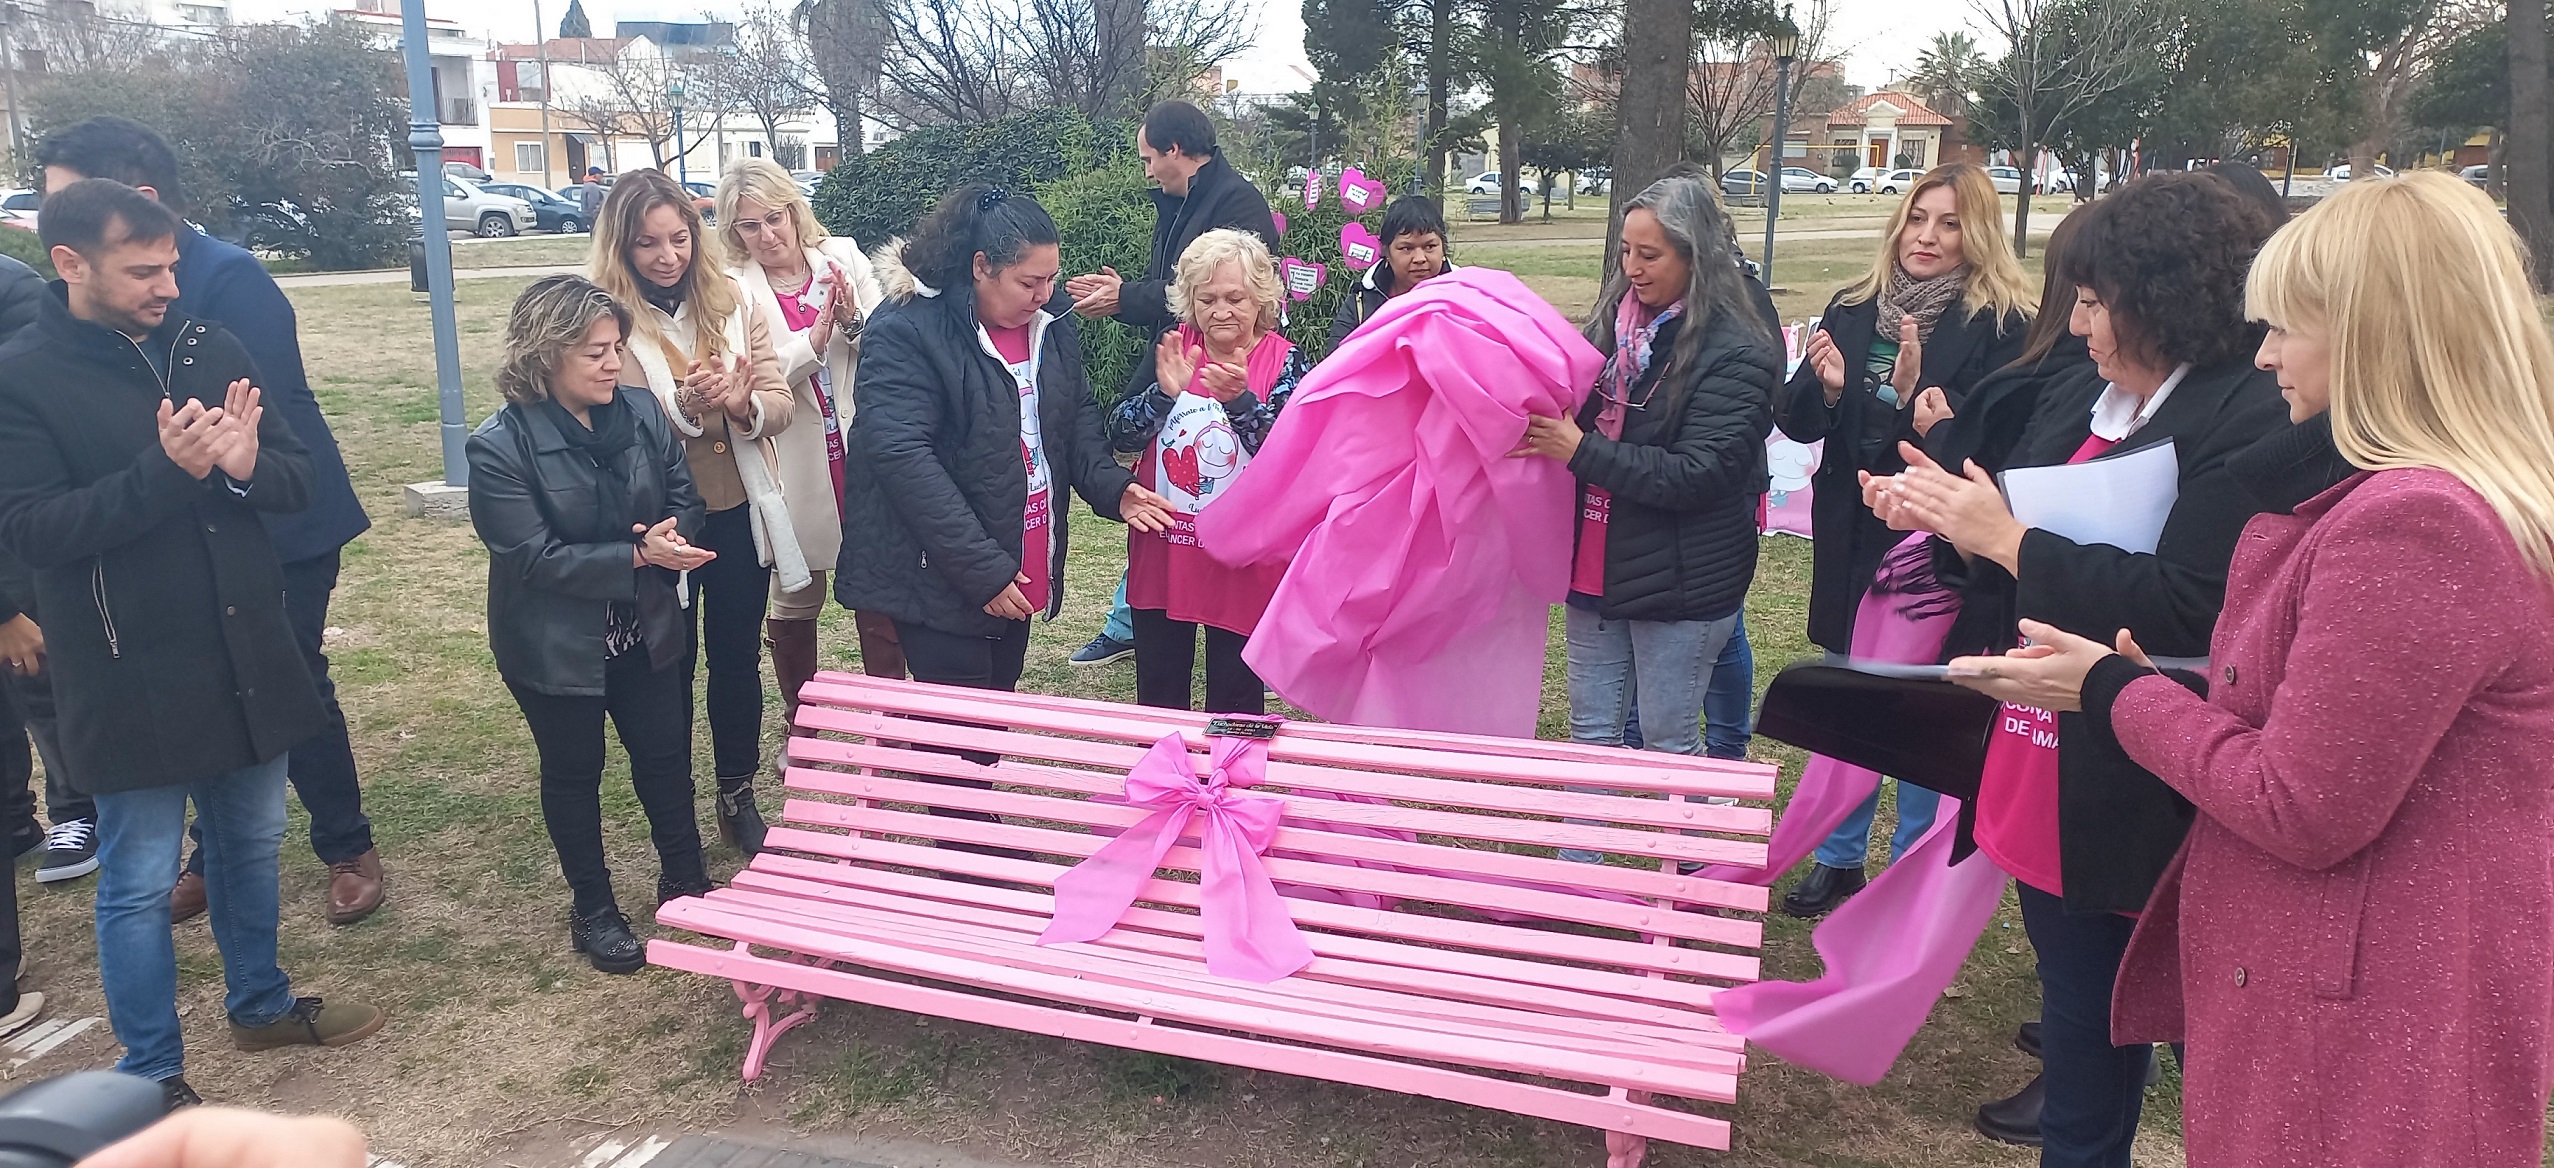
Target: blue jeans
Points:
(2095, 1090)
(1851, 844)
(139, 836)
(1661, 667)
(1121, 623)
(1728, 706)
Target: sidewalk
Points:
(756, 1147)
(400, 275)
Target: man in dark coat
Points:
(22, 296)
(135, 459)
(221, 283)
(1200, 192)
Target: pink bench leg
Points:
(1622, 1149)
(767, 1029)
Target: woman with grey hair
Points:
(581, 492)
(1670, 457)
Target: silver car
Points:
(486, 213)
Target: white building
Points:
(586, 84)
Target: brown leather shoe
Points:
(186, 901)
(354, 888)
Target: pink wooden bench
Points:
(1493, 975)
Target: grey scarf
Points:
(1922, 299)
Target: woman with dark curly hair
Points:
(2159, 273)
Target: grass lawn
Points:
(503, 1044)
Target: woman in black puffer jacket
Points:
(1670, 456)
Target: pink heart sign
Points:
(1359, 193)
(1302, 279)
(1359, 246)
(1280, 216)
(1312, 189)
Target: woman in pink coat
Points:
(2354, 941)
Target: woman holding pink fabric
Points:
(1669, 453)
(1223, 375)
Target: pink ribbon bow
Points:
(1249, 934)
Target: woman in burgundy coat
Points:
(2354, 941)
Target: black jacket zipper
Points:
(97, 571)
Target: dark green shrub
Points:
(1105, 220)
(25, 248)
(878, 196)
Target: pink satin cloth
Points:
(1249, 934)
(1894, 947)
(1425, 561)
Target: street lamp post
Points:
(682, 165)
(425, 140)
(1785, 45)
(1419, 183)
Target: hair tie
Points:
(990, 199)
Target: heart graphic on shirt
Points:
(1179, 468)
(1312, 190)
(1280, 217)
(1359, 246)
(1302, 279)
(1359, 193)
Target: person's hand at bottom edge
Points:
(224, 1137)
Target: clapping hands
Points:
(201, 439)
(665, 547)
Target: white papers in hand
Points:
(2120, 501)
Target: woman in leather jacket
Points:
(581, 492)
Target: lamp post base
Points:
(435, 499)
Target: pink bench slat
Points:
(1547, 986)
(1598, 1111)
(1474, 794)
(1309, 842)
(1649, 845)
(1506, 1055)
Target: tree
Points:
(1511, 53)
(768, 74)
(1567, 144)
(2061, 57)
(1731, 86)
(634, 95)
(1649, 138)
(1948, 71)
(1348, 42)
(574, 24)
(949, 61)
(846, 44)
(2531, 138)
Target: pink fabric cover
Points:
(1425, 561)
(1248, 932)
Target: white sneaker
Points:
(30, 1006)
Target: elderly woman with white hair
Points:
(1221, 377)
(813, 291)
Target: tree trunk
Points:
(2022, 200)
(2528, 168)
(1511, 183)
(850, 141)
(1440, 86)
(1649, 140)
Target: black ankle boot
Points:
(2014, 1119)
(673, 888)
(740, 823)
(2027, 1039)
(606, 940)
(1821, 891)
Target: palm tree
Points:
(1948, 71)
(847, 44)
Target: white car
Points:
(18, 205)
(1865, 180)
(2341, 173)
(1899, 181)
(2008, 181)
(1801, 178)
(1485, 183)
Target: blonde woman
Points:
(1220, 378)
(813, 291)
(580, 489)
(2352, 940)
(708, 359)
(1944, 304)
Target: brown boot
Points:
(793, 646)
(354, 888)
(881, 654)
(186, 901)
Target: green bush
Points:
(1105, 220)
(880, 195)
(1312, 235)
(25, 248)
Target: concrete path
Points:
(2040, 225)
(400, 275)
(626, 1148)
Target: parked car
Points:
(2007, 180)
(1596, 180)
(467, 172)
(1742, 181)
(468, 208)
(2341, 173)
(550, 212)
(1796, 179)
(1899, 181)
(18, 205)
(704, 197)
(1484, 183)
(1865, 180)
(266, 226)
(2478, 175)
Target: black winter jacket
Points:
(554, 566)
(1218, 196)
(935, 491)
(1862, 433)
(163, 601)
(22, 296)
(1680, 543)
(2118, 825)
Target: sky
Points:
(1879, 37)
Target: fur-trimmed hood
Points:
(897, 282)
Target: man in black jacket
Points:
(21, 655)
(135, 460)
(227, 286)
(1200, 192)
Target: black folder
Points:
(1927, 732)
